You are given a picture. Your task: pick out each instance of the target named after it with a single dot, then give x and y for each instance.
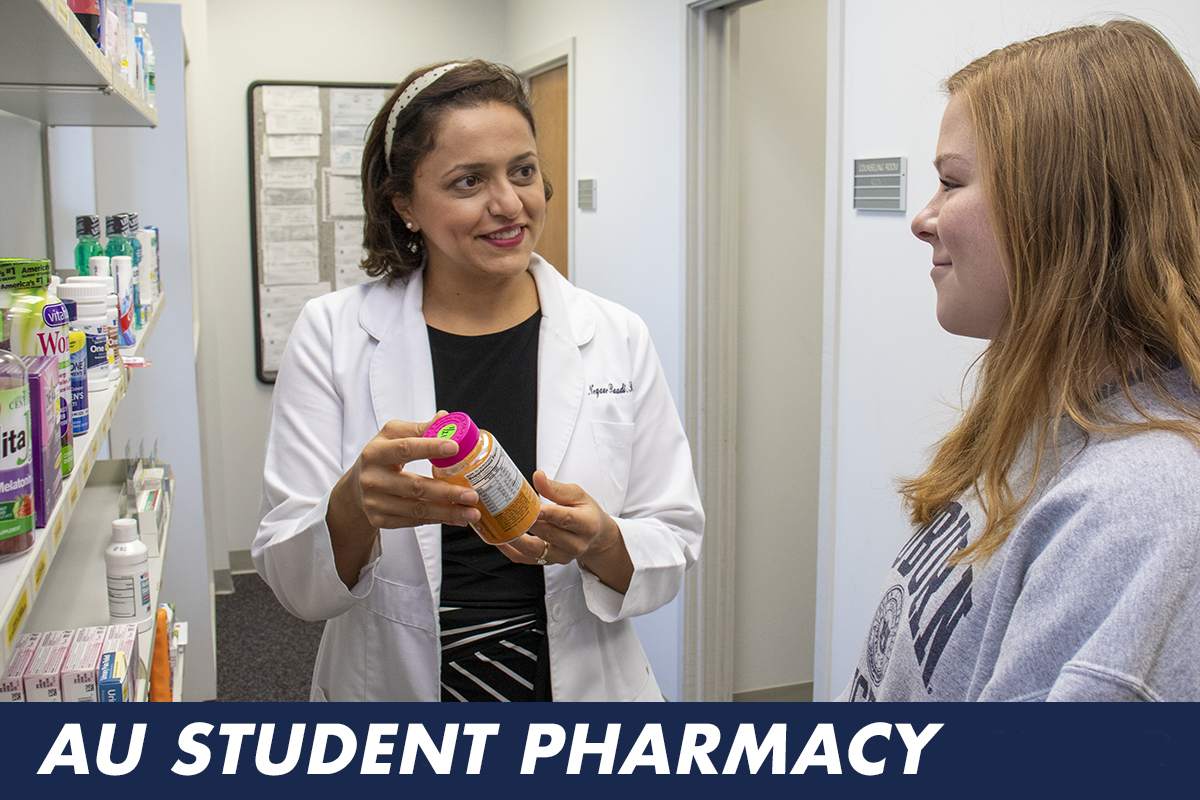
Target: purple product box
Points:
(47, 443)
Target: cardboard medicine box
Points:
(12, 683)
(113, 682)
(43, 679)
(81, 670)
(120, 655)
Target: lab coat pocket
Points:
(407, 605)
(614, 451)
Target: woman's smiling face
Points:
(968, 268)
(478, 198)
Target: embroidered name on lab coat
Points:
(623, 388)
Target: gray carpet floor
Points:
(264, 654)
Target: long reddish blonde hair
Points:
(1089, 148)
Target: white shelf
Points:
(75, 592)
(51, 71)
(27, 579)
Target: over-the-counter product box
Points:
(149, 489)
(81, 672)
(43, 678)
(93, 664)
(119, 664)
(12, 683)
(47, 442)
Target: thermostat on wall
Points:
(880, 184)
(587, 194)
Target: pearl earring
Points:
(408, 225)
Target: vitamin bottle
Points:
(77, 343)
(507, 503)
(128, 570)
(91, 317)
(39, 327)
(112, 324)
(16, 465)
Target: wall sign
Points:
(880, 184)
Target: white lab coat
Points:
(606, 421)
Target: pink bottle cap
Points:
(459, 428)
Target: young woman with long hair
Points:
(1056, 552)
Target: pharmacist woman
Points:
(465, 317)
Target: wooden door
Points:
(549, 90)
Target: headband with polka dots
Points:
(414, 89)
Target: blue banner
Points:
(219, 751)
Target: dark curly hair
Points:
(389, 244)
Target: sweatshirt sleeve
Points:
(661, 518)
(292, 550)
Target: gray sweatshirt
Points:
(1095, 595)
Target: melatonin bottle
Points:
(508, 505)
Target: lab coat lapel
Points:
(401, 367)
(560, 367)
(401, 376)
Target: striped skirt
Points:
(494, 655)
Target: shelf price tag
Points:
(39, 572)
(16, 618)
(64, 12)
(74, 497)
(58, 529)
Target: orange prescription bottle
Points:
(507, 503)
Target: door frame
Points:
(531, 66)
(710, 397)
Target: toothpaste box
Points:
(47, 441)
(123, 640)
(12, 683)
(81, 670)
(43, 678)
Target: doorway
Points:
(756, 266)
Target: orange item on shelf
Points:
(160, 665)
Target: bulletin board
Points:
(306, 144)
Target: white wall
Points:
(629, 135)
(896, 373)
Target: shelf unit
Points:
(25, 580)
(51, 71)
